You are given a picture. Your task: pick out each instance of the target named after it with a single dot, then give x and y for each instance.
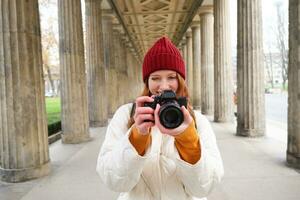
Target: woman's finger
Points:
(139, 119)
(146, 117)
(156, 118)
(141, 100)
(186, 114)
(144, 110)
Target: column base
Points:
(293, 160)
(207, 112)
(21, 175)
(223, 120)
(250, 132)
(98, 123)
(75, 139)
(197, 108)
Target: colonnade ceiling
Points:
(147, 20)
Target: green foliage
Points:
(54, 128)
(53, 110)
(53, 115)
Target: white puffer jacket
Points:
(160, 173)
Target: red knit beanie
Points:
(163, 55)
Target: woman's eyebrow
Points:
(156, 75)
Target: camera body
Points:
(170, 114)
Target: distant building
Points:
(273, 69)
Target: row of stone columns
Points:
(198, 51)
(87, 74)
(210, 74)
(215, 76)
(216, 81)
(24, 150)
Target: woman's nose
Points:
(164, 85)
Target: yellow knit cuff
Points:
(188, 145)
(139, 141)
(188, 135)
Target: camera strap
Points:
(132, 110)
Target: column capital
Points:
(132, 50)
(183, 40)
(128, 44)
(195, 24)
(118, 28)
(180, 44)
(209, 9)
(107, 13)
(188, 33)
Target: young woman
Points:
(146, 161)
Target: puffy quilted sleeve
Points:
(119, 165)
(200, 178)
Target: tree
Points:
(281, 42)
(49, 44)
(46, 2)
(49, 41)
(268, 58)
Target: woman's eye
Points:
(154, 79)
(172, 77)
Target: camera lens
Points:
(170, 116)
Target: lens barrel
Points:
(170, 115)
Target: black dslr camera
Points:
(170, 114)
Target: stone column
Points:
(72, 71)
(196, 65)
(184, 51)
(207, 60)
(131, 71)
(24, 152)
(123, 70)
(109, 60)
(97, 74)
(223, 105)
(189, 62)
(250, 70)
(118, 64)
(130, 74)
(138, 74)
(179, 47)
(293, 148)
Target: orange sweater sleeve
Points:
(139, 141)
(188, 145)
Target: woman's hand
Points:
(143, 116)
(176, 131)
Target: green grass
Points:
(53, 110)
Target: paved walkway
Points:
(255, 169)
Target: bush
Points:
(54, 128)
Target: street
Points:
(276, 107)
(276, 116)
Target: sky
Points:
(268, 17)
